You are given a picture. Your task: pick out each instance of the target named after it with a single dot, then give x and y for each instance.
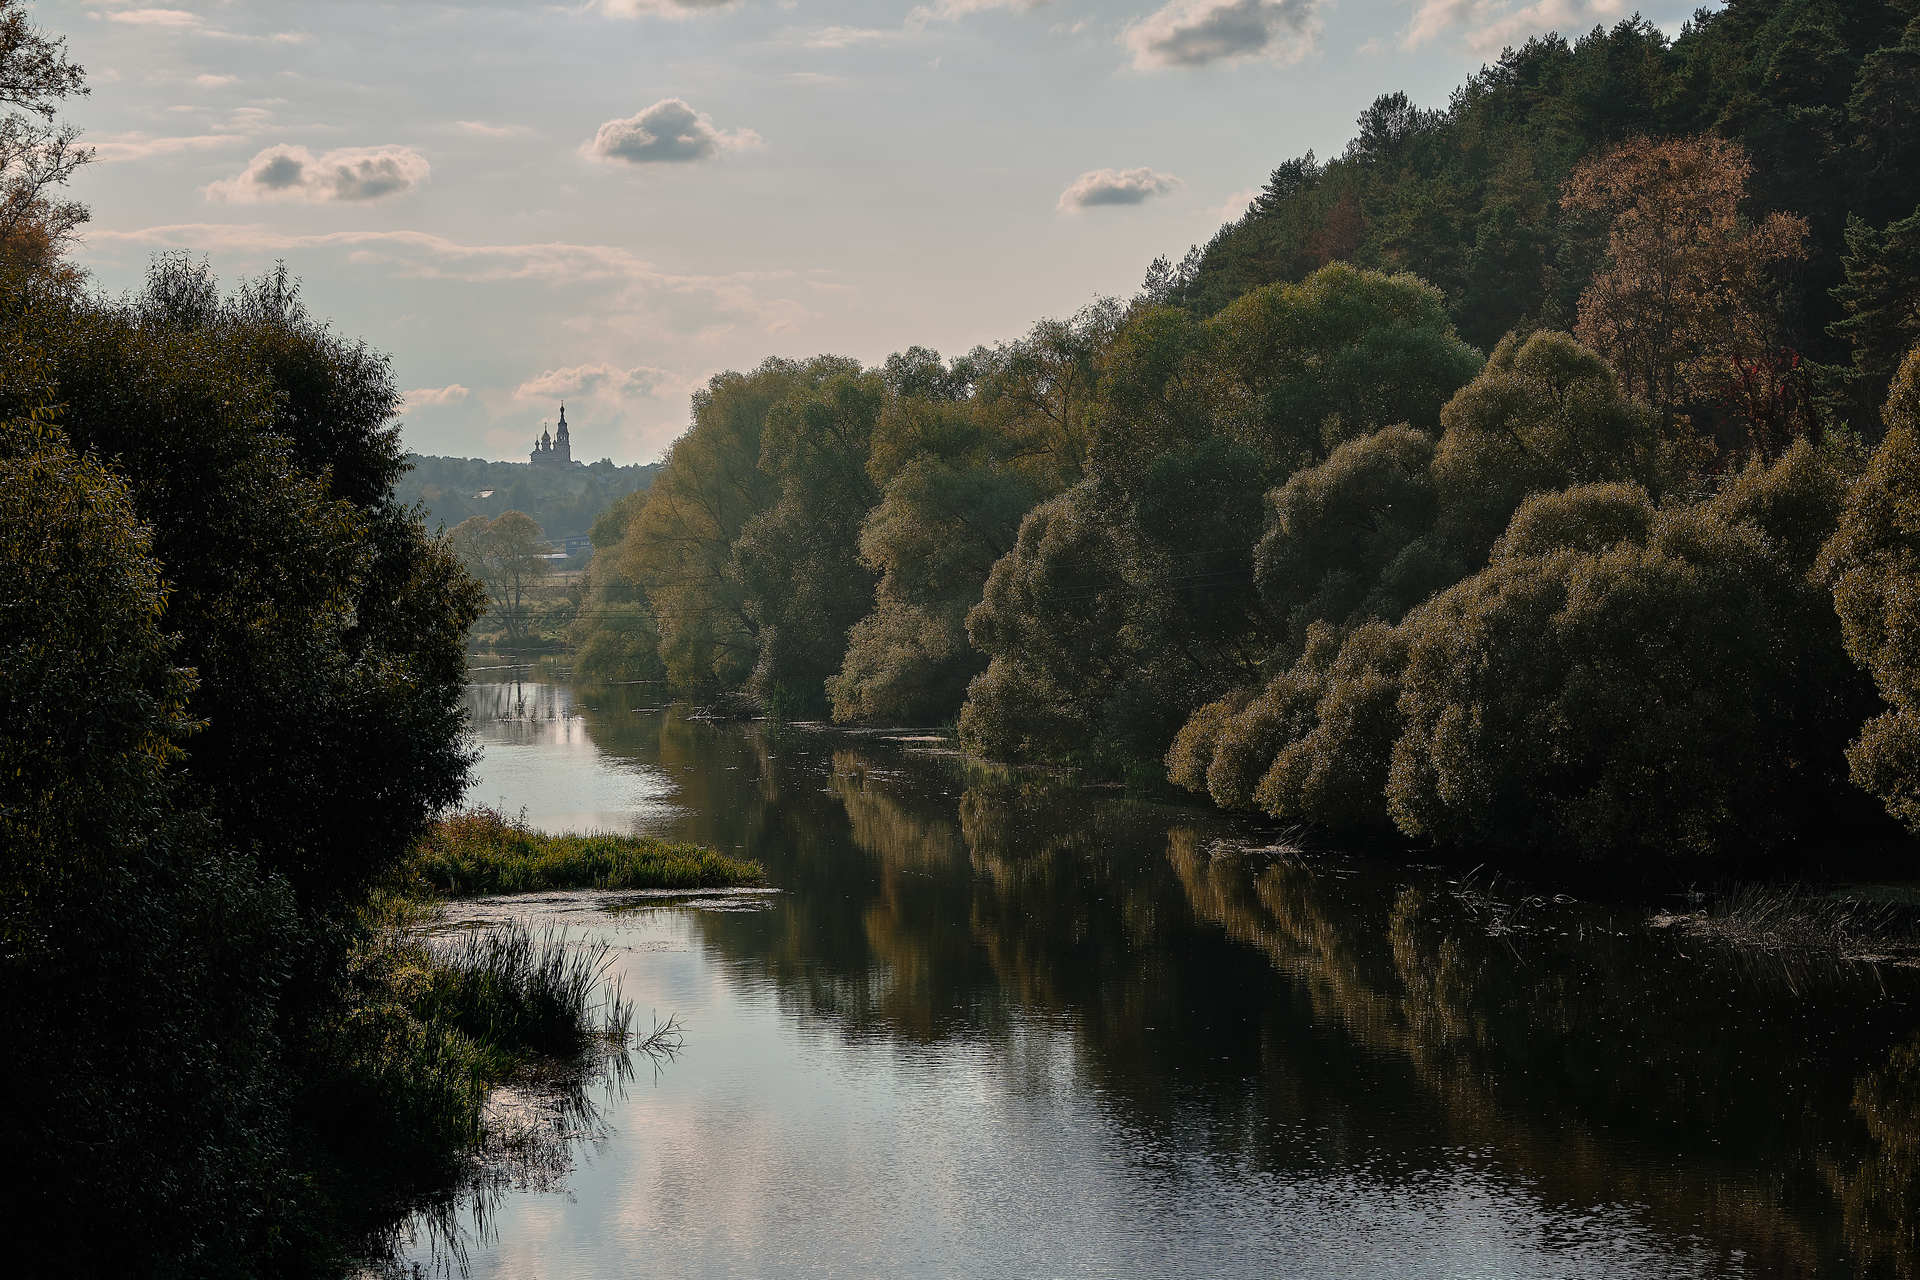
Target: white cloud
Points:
(155, 18)
(211, 81)
(1196, 33)
(294, 174)
(139, 146)
(668, 132)
(1488, 26)
(481, 129)
(1114, 186)
(186, 21)
(422, 397)
(954, 10)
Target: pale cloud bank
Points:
(186, 22)
(422, 255)
(422, 397)
(1114, 186)
(291, 174)
(1488, 26)
(593, 379)
(668, 132)
(140, 146)
(155, 18)
(954, 10)
(481, 129)
(1196, 33)
(661, 8)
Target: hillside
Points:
(1469, 197)
(565, 502)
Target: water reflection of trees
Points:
(1303, 1017)
(1606, 1065)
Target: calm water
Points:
(993, 1029)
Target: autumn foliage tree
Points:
(1686, 307)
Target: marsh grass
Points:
(481, 851)
(1802, 919)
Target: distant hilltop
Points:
(564, 496)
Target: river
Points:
(990, 1027)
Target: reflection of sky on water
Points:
(538, 755)
(777, 1147)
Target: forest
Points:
(1539, 475)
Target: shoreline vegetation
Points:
(481, 851)
(428, 1030)
(432, 1026)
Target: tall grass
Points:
(523, 993)
(481, 851)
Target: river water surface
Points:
(988, 1027)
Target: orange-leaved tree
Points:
(1687, 306)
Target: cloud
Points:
(155, 18)
(294, 174)
(695, 300)
(593, 380)
(481, 129)
(1488, 26)
(186, 21)
(954, 10)
(422, 397)
(139, 146)
(841, 37)
(1114, 186)
(210, 81)
(661, 8)
(1196, 33)
(668, 132)
(1236, 204)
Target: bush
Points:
(1872, 565)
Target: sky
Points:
(609, 201)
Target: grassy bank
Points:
(481, 851)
